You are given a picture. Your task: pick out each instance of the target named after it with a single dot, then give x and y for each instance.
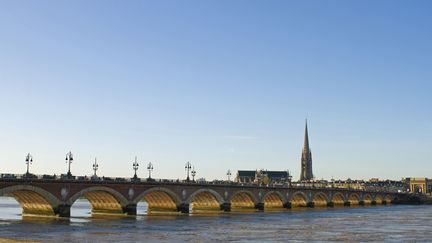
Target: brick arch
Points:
(320, 199)
(299, 199)
(367, 198)
(338, 198)
(378, 199)
(205, 199)
(104, 200)
(274, 199)
(388, 198)
(242, 199)
(159, 199)
(354, 198)
(33, 200)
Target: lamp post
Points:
(95, 168)
(193, 173)
(150, 169)
(188, 166)
(69, 159)
(135, 166)
(229, 175)
(289, 178)
(29, 160)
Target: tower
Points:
(306, 159)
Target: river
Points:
(393, 223)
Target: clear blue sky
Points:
(223, 84)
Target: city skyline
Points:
(224, 85)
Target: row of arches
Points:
(103, 200)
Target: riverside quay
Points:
(54, 197)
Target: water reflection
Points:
(373, 223)
(10, 209)
(142, 208)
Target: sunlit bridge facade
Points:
(56, 197)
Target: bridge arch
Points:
(274, 199)
(159, 199)
(33, 200)
(387, 199)
(320, 199)
(378, 199)
(104, 200)
(338, 199)
(205, 200)
(367, 199)
(243, 200)
(354, 199)
(299, 199)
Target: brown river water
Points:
(392, 223)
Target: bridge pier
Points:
(63, 210)
(361, 203)
(226, 207)
(130, 209)
(347, 204)
(373, 203)
(310, 204)
(287, 205)
(384, 202)
(259, 206)
(330, 204)
(183, 208)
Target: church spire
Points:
(306, 138)
(306, 158)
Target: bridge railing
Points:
(104, 179)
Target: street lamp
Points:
(193, 172)
(69, 159)
(150, 169)
(289, 178)
(95, 168)
(29, 160)
(229, 175)
(188, 166)
(135, 167)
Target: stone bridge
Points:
(55, 197)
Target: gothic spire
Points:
(306, 138)
(306, 158)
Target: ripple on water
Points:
(355, 224)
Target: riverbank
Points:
(424, 199)
(414, 199)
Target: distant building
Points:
(419, 185)
(262, 177)
(245, 176)
(349, 184)
(373, 184)
(386, 185)
(278, 176)
(306, 159)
